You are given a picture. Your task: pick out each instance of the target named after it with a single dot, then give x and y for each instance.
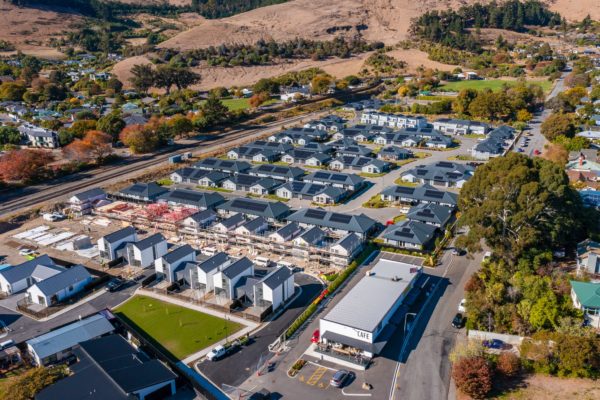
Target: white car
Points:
(53, 217)
(26, 252)
(216, 353)
(461, 306)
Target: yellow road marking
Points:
(316, 376)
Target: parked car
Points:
(458, 251)
(487, 255)
(339, 378)
(458, 321)
(494, 344)
(315, 336)
(216, 353)
(26, 252)
(536, 152)
(53, 216)
(115, 284)
(461, 306)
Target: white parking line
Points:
(356, 394)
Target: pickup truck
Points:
(221, 351)
(216, 353)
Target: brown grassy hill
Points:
(380, 20)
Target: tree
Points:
(508, 364)
(183, 78)
(214, 111)
(557, 153)
(11, 91)
(114, 84)
(490, 105)
(558, 124)
(53, 91)
(577, 79)
(462, 102)
(79, 128)
(180, 125)
(266, 85)
(9, 135)
(28, 384)
(112, 124)
(524, 116)
(96, 145)
(473, 376)
(516, 203)
(320, 84)
(258, 98)
(24, 165)
(138, 139)
(143, 77)
(577, 356)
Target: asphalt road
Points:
(236, 368)
(425, 374)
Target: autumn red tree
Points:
(258, 99)
(24, 165)
(473, 376)
(139, 139)
(508, 364)
(95, 145)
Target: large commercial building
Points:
(364, 320)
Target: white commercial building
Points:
(361, 323)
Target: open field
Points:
(493, 84)
(242, 103)
(179, 330)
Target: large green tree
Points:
(558, 124)
(516, 203)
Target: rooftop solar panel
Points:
(249, 205)
(434, 193)
(314, 188)
(190, 196)
(315, 214)
(137, 188)
(445, 164)
(341, 218)
(322, 175)
(405, 190)
(338, 177)
(209, 161)
(227, 164)
(264, 168)
(404, 234)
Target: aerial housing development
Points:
(399, 206)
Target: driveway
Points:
(237, 367)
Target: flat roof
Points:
(374, 296)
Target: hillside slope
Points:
(377, 20)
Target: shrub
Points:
(473, 376)
(508, 364)
(26, 386)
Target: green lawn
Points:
(179, 330)
(494, 84)
(242, 103)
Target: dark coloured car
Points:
(115, 285)
(458, 321)
(494, 344)
(339, 378)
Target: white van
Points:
(262, 261)
(209, 251)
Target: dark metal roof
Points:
(178, 253)
(277, 277)
(120, 234)
(62, 280)
(214, 262)
(237, 267)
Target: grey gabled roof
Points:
(430, 212)
(423, 193)
(43, 266)
(349, 241)
(261, 208)
(178, 253)
(234, 220)
(144, 190)
(193, 198)
(150, 241)
(288, 229)
(267, 183)
(68, 336)
(313, 235)
(237, 267)
(254, 224)
(445, 171)
(120, 234)
(410, 232)
(214, 262)
(203, 215)
(62, 280)
(347, 222)
(89, 194)
(334, 177)
(277, 277)
(216, 164)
